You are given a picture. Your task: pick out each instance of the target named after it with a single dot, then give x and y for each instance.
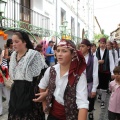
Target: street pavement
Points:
(99, 114)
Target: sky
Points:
(108, 14)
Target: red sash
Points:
(58, 110)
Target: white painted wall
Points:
(37, 5)
(69, 14)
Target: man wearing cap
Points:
(91, 74)
(106, 66)
(50, 60)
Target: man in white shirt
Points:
(113, 52)
(116, 47)
(106, 66)
(91, 74)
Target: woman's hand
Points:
(41, 96)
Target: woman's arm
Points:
(82, 115)
(6, 54)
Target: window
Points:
(25, 10)
(63, 16)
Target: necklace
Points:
(19, 57)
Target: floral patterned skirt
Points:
(21, 106)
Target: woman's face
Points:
(11, 45)
(64, 55)
(18, 44)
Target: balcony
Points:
(18, 16)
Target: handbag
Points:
(7, 81)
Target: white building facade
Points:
(78, 13)
(50, 14)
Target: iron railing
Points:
(17, 16)
(18, 12)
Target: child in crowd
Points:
(66, 84)
(114, 105)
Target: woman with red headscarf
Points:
(66, 84)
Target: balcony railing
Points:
(18, 16)
(27, 18)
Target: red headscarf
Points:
(78, 64)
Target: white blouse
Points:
(28, 67)
(61, 83)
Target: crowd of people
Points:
(63, 83)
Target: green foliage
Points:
(98, 36)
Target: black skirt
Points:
(21, 106)
(104, 79)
